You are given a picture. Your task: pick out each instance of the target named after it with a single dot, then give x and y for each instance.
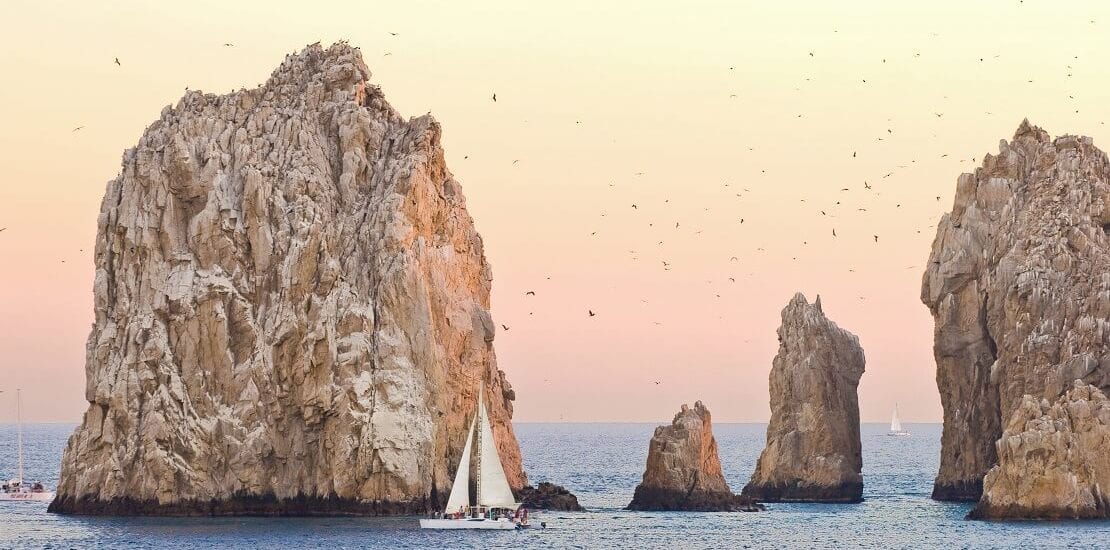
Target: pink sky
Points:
(602, 107)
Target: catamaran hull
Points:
(499, 524)
(26, 497)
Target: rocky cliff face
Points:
(683, 470)
(1053, 460)
(813, 445)
(291, 310)
(1018, 283)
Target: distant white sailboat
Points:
(15, 489)
(896, 424)
(496, 506)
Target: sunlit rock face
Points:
(1053, 460)
(683, 471)
(292, 310)
(813, 443)
(1018, 282)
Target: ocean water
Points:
(601, 463)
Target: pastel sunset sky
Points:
(743, 130)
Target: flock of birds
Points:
(857, 198)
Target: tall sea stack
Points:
(813, 446)
(291, 310)
(1018, 282)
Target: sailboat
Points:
(15, 489)
(496, 506)
(896, 424)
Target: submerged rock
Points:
(1018, 283)
(548, 496)
(291, 310)
(813, 445)
(1053, 460)
(683, 470)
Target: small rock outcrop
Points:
(1018, 283)
(683, 470)
(548, 496)
(291, 310)
(1053, 460)
(813, 443)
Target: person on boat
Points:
(37, 487)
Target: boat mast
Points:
(480, 418)
(19, 433)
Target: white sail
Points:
(895, 422)
(460, 489)
(493, 487)
(19, 430)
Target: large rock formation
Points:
(813, 445)
(1053, 460)
(291, 310)
(683, 470)
(1018, 282)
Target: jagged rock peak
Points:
(683, 469)
(813, 445)
(1053, 460)
(291, 310)
(1017, 283)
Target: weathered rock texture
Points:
(1053, 460)
(548, 496)
(1018, 283)
(683, 470)
(291, 310)
(813, 445)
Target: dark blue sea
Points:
(601, 463)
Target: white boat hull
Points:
(468, 523)
(26, 497)
(898, 434)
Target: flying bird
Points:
(592, 314)
(530, 293)
(78, 128)
(495, 98)
(117, 62)
(228, 44)
(876, 238)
